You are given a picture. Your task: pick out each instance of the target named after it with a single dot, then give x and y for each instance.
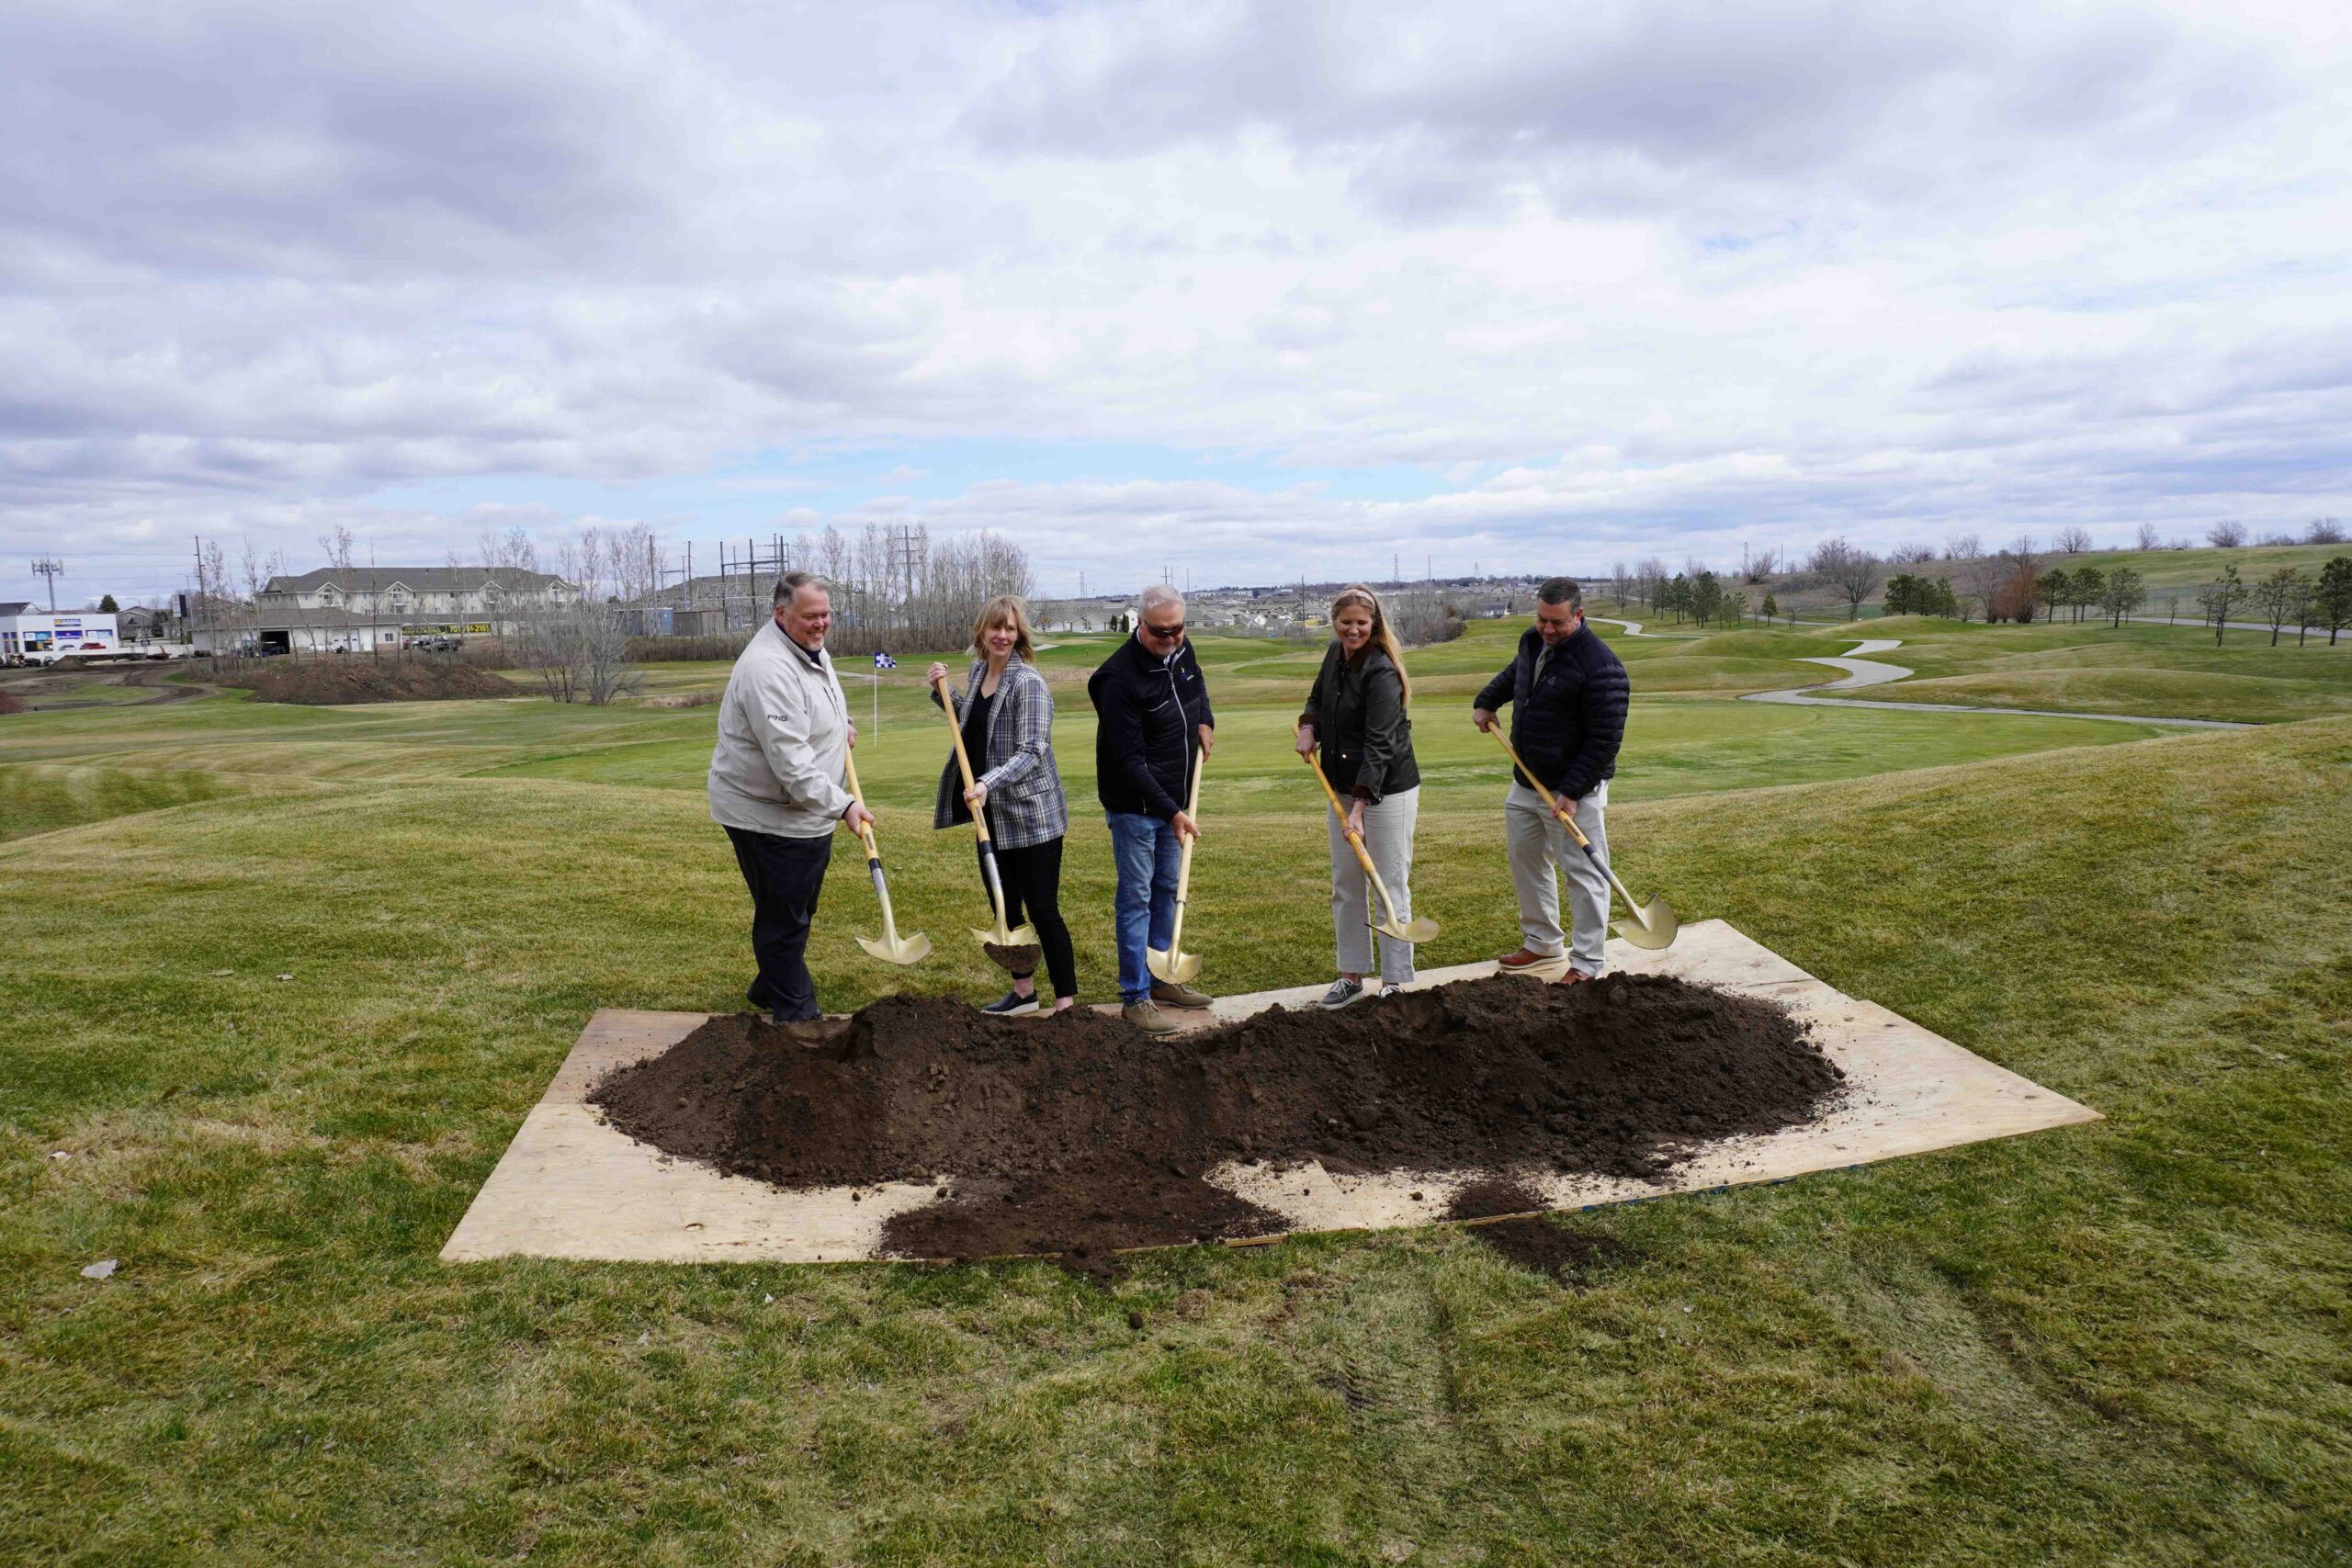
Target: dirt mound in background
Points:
(11, 703)
(334, 682)
(1079, 1133)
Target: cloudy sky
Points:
(1245, 290)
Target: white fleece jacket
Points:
(783, 733)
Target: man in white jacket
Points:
(776, 786)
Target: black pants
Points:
(785, 876)
(1033, 890)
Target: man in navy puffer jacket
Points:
(1154, 725)
(1568, 694)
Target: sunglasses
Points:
(1176, 630)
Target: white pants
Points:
(1388, 840)
(1537, 844)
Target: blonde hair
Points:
(997, 612)
(1382, 637)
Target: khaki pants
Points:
(1538, 844)
(1388, 840)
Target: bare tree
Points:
(1756, 565)
(1994, 583)
(1422, 616)
(1852, 570)
(1653, 581)
(2073, 539)
(2324, 531)
(2279, 598)
(1914, 551)
(2146, 537)
(1620, 579)
(2221, 599)
(2226, 534)
(1962, 547)
(511, 550)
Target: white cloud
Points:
(1797, 268)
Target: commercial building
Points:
(25, 631)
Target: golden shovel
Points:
(1653, 924)
(1014, 947)
(889, 947)
(1174, 965)
(1421, 928)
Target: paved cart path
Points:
(1860, 670)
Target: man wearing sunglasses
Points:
(1153, 725)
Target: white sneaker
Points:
(1392, 989)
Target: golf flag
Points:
(884, 661)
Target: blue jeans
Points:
(1144, 849)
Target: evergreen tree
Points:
(2333, 599)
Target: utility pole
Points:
(49, 568)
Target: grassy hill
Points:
(2122, 1343)
(2090, 666)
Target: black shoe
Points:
(759, 995)
(1013, 1004)
(1343, 991)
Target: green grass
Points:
(2185, 573)
(2093, 668)
(2122, 1343)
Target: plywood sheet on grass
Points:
(572, 1186)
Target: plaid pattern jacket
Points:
(1025, 804)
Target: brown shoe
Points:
(811, 1034)
(1168, 993)
(1523, 959)
(1575, 977)
(1148, 1018)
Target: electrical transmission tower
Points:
(906, 564)
(51, 569)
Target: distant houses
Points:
(356, 609)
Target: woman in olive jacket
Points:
(1357, 712)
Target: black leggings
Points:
(1033, 883)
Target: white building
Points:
(25, 631)
(361, 608)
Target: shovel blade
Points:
(1019, 936)
(912, 949)
(1654, 925)
(1421, 928)
(1176, 968)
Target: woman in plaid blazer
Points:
(1007, 711)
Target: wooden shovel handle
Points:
(1566, 818)
(1355, 840)
(865, 828)
(1184, 857)
(963, 762)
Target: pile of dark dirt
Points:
(337, 680)
(11, 703)
(1080, 1135)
